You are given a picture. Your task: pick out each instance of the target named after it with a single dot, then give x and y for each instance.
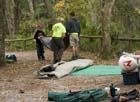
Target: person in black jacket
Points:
(73, 28)
(40, 48)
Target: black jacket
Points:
(37, 34)
(73, 26)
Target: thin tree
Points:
(31, 7)
(17, 16)
(9, 14)
(106, 21)
(2, 27)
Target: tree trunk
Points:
(106, 21)
(16, 16)
(33, 4)
(2, 30)
(31, 7)
(9, 12)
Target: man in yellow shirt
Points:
(57, 44)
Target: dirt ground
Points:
(19, 84)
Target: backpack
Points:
(11, 58)
(125, 97)
(132, 94)
(92, 95)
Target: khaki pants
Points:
(74, 40)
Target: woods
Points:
(106, 57)
(107, 18)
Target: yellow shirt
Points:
(58, 30)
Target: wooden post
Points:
(130, 45)
(24, 44)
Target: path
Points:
(19, 84)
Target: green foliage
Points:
(84, 12)
(125, 20)
(116, 29)
(93, 45)
(126, 16)
(20, 46)
(40, 11)
(27, 28)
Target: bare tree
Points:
(106, 21)
(31, 7)
(9, 14)
(16, 16)
(2, 26)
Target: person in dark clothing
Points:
(73, 28)
(40, 48)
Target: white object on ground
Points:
(127, 63)
(68, 67)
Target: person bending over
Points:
(57, 44)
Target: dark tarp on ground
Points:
(92, 95)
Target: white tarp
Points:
(67, 67)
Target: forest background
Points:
(107, 18)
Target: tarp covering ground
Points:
(98, 70)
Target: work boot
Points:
(76, 56)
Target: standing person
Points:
(40, 48)
(57, 44)
(73, 28)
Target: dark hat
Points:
(72, 14)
